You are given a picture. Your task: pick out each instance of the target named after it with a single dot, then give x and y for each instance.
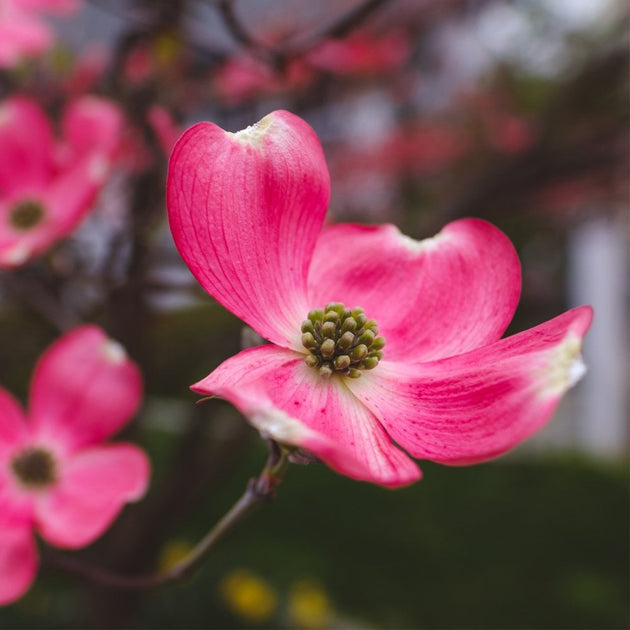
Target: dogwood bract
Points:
(56, 476)
(375, 337)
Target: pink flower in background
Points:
(375, 337)
(505, 131)
(56, 476)
(47, 186)
(23, 32)
(362, 54)
(89, 67)
(164, 127)
(408, 150)
(244, 77)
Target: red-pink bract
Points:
(84, 389)
(246, 211)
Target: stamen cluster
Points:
(34, 467)
(26, 214)
(341, 341)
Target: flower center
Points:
(341, 340)
(26, 214)
(34, 467)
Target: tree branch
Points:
(259, 490)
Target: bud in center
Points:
(26, 215)
(34, 468)
(341, 341)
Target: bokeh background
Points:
(516, 112)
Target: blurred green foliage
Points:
(536, 544)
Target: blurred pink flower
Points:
(362, 54)
(23, 32)
(409, 150)
(47, 186)
(56, 476)
(506, 131)
(164, 126)
(246, 210)
(89, 67)
(244, 78)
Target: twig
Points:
(278, 56)
(36, 296)
(343, 25)
(234, 26)
(259, 490)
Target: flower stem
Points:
(259, 490)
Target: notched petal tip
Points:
(254, 133)
(422, 245)
(565, 367)
(273, 423)
(113, 352)
(15, 256)
(462, 228)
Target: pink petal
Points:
(73, 193)
(433, 298)
(245, 210)
(84, 389)
(15, 505)
(290, 403)
(92, 126)
(13, 430)
(22, 35)
(95, 485)
(475, 406)
(18, 562)
(26, 146)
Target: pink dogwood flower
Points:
(379, 342)
(23, 32)
(56, 476)
(48, 186)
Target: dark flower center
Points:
(34, 467)
(341, 341)
(26, 214)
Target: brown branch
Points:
(558, 155)
(278, 56)
(343, 25)
(32, 292)
(234, 26)
(259, 491)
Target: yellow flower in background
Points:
(248, 595)
(167, 47)
(309, 606)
